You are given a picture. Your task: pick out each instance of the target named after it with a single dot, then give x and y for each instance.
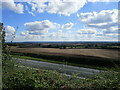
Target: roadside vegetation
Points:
(25, 78)
(31, 79)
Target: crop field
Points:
(104, 53)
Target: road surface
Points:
(65, 69)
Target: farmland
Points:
(105, 53)
(75, 56)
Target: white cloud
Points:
(113, 34)
(25, 33)
(9, 32)
(60, 31)
(40, 27)
(11, 5)
(62, 7)
(60, 36)
(112, 30)
(86, 31)
(63, 0)
(67, 26)
(104, 19)
(9, 29)
(86, 34)
(65, 7)
(103, 0)
(99, 34)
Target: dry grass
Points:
(105, 53)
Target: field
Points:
(91, 57)
(105, 53)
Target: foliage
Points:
(26, 79)
(7, 63)
(68, 45)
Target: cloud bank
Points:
(11, 5)
(40, 27)
(67, 26)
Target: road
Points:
(65, 69)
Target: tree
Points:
(2, 38)
(1, 27)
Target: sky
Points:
(60, 20)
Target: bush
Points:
(27, 79)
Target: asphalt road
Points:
(65, 69)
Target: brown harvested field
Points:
(105, 53)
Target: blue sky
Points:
(58, 20)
